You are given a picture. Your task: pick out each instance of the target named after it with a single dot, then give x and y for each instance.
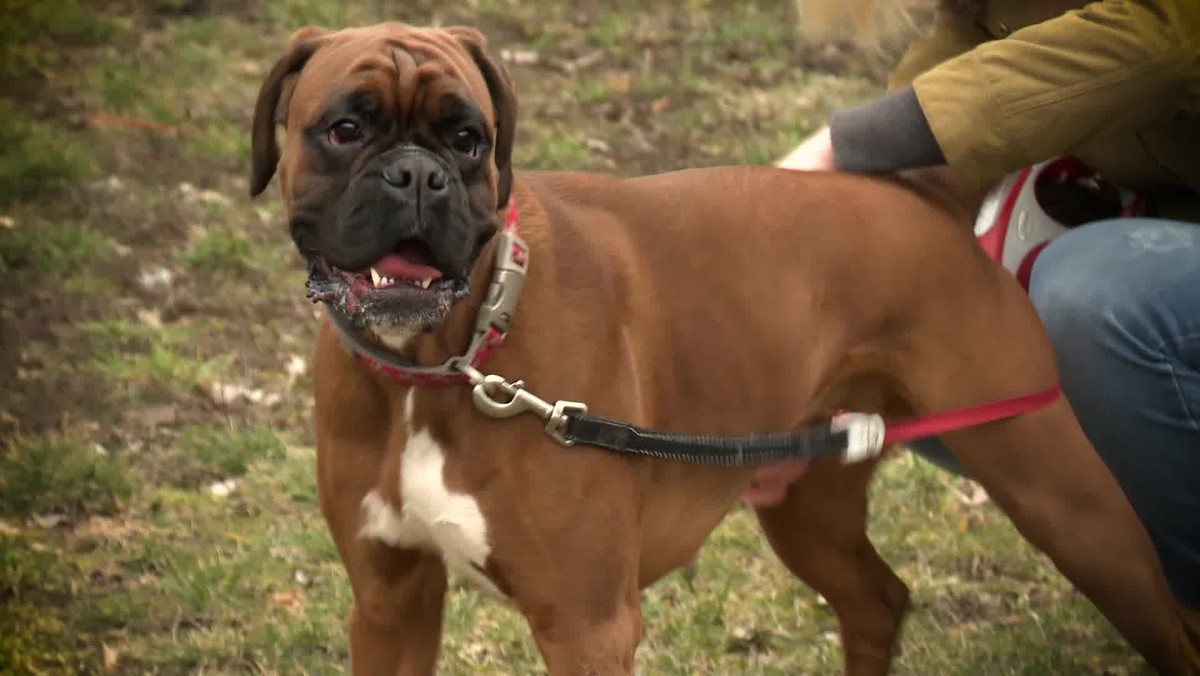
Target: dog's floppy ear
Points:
(271, 107)
(504, 103)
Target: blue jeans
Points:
(1120, 300)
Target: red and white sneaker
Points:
(1032, 206)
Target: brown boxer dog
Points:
(720, 301)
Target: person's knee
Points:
(1121, 305)
(1098, 286)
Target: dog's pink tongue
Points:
(409, 262)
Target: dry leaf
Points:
(222, 393)
(107, 574)
(194, 195)
(231, 394)
(48, 520)
(109, 530)
(474, 652)
(598, 146)
(115, 121)
(221, 489)
(151, 318)
(109, 657)
(519, 57)
(288, 599)
(296, 367)
(153, 416)
(586, 61)
(619, 84)
(155, 277)
(974, 496)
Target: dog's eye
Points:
(466, 141)
(344, 131)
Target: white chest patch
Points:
(431, 517)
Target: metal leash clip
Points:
(520, 400)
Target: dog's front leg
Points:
(396, 621)
(572, 566)
(399, 593)
(588, 637)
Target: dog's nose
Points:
(415, 176)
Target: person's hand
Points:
(814, 154)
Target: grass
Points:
(220, 248)
(38, 246)
(32, 28)
(160, 367)
(221, 452)
(47, 475)
(37, 158)
(141, 279)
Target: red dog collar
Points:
(491, 324)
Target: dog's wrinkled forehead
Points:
(401, 65)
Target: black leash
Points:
(808, 443)
(851, 436)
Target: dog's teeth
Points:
(376, 277)
(388, 281)
(424, 283)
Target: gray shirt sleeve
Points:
(886, 134)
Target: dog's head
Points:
(397, 157)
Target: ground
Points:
(157, 504)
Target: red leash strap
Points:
(510, 217)
(938, 423)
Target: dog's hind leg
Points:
(819, 532)
(1043, 473)
(1041, 470)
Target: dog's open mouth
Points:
(402, 287)
(409, 269)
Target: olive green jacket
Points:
(1116, 82)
